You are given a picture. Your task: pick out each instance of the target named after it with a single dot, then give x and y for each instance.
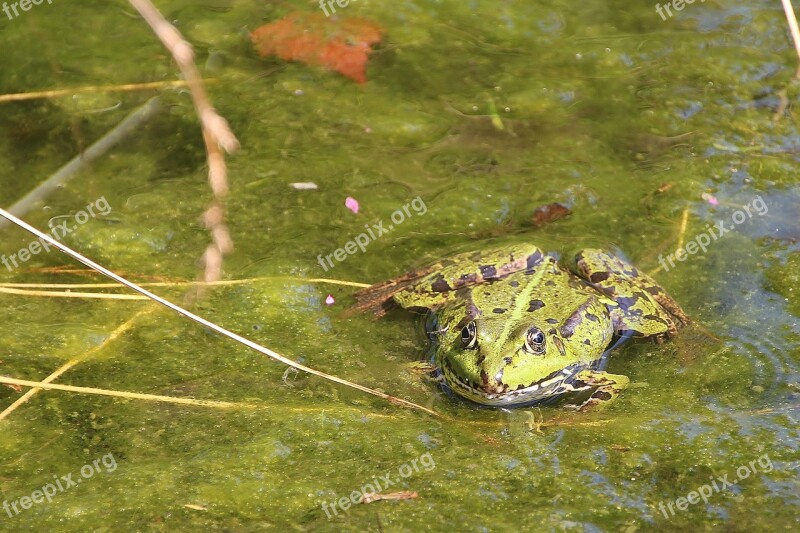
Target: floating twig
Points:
(103, 145)
(217, 136)
(376, 497)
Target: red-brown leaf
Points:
(340, 44)
(548, 213)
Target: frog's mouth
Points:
(549, 388)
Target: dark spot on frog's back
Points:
(602, 395)
(535, 305)
(625, 302)
(552, 321)
(655, 318)
(532, 260)
(592, 317)
(514, 283)
(499, 310)
(597, 277)
(488, 271)
(440, 285)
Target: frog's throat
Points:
(550, 387)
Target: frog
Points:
(512, 326)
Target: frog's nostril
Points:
(560, 345)
(493, 386)
(498, 378)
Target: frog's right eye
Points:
(534, 341)
(469, 336)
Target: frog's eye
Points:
(534, 341)
(469, 336)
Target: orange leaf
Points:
(340, 44)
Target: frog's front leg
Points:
(603, 388)
(643, 308)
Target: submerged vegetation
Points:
(568, 126)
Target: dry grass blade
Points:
(792, 20)
(127, 87)
(124, 394)
(211, 325)
(67, 294)
(116, 334)
(682, 231)
(220, 283)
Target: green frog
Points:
(512, 327)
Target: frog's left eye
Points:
(534, 341)
(469, 336)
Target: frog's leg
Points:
(604, 388)
(643, 308)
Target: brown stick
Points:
(217, 136)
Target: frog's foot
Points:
(601, 387)
(643, 308)
(427, 370)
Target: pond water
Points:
(653, 129)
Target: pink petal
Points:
(710, 199)
(351, 204)
(329, 300)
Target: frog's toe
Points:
(602, 387)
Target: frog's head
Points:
(493, 360)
